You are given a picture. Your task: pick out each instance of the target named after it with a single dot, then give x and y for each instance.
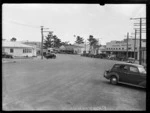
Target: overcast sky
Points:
(109, 22)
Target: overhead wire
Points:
(27, 25)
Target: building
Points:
(79, 48)
(120, 47)
(17, 49)
(101, 49)
(74, 49)
(36, 45)
(86, 48)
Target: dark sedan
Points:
(50, 55)
(6, 55)
(127, 73)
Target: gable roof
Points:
(14, 44)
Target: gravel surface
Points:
(69, 82)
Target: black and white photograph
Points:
(73, 57)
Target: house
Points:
(35, 44)
(82, 48)
(71, 49)
(17, 49)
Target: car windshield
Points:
(142, 70)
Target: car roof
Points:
(131, 64)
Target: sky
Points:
(106, 23)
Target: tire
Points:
(113, 80)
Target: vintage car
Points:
(127, 73)
(6, 55)
(50, 55)
(131, 60)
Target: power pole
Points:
(42, 40)
(135, 45)
(140, 31)
(140, 55)
(127, 44)
(85, 46)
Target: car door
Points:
(134, 75)
(123, 73)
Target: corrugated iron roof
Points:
(14, 44)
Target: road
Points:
(69, 82)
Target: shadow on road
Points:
(107, 84)
(131, 87)
(126, 86)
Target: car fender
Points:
(114, 74)
(143, 83)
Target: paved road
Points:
(69, 82)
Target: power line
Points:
(14, 22)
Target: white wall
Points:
(19, 52)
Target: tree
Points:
(93, 43)
(47, 42)
(51, 41)
(13, 39)
(79, 40)
(56, 41)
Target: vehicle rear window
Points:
(133, 69)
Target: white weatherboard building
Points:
(18, 49)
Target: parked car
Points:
(127, 73)
(131, 60)
(50, 55)
(98, 56)
(112, 57)
(121, 58)
(6, 55)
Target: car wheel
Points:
(113, 80)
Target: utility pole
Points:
(42, 40)
(127, 44)
(135, 45)
(140, 54)
(85, 46)
(140, 31)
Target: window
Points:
(24, 50)
(3, 49)
(133, 69)
(122, 48)
(27, 51)
(142, 70)
(116, 66)
(123, 67)
(11, 50)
